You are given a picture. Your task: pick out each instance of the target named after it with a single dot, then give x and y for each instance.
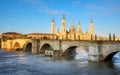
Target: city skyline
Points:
(29, 16)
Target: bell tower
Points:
(53, 26)
(79, 28)
(63, 25)
(91, 28)
(73, 29)
(64, 31)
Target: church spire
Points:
(73, 24)
(64, 25)
(53, 20)
(79, 23)
(63, 17)
(53, 26)
(73, 29)
(79, 28)
(91, 28)
(91, 20)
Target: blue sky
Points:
(27, 16)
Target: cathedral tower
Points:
(79, 28)
(91, 28)
(53, 26)
(73, 29)
(63, 25)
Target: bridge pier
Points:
(35, 46)
(94, 52)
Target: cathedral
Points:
(73, 33)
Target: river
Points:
(22, 63)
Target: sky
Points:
(35, 16)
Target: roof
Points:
(11, 33)
(41, 34)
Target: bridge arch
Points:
(110, 56)
(44, 47)
(77, 52)
(16, 46)
(28, 47)
(70, 51)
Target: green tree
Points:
(4, 38)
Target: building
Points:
(11, 35)
(0, 36)
(42, 36)
(73, 33)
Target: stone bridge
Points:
(14, 44)
(96, 50)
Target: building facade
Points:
(73, 33)
(11, 36)
(45, 36)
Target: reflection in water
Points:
(116, 57)
(21, 59)
(81, 54)
(20, 63)
(116, 60)
(21, 54)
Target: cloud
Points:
(115, 9)
(92, 7)
(44, 8)
(102, 13)
(76, 3)
(103, 9)
(50, 11)
(41, 6)
(32, 1)
(94, 14)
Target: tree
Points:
(4, 38)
